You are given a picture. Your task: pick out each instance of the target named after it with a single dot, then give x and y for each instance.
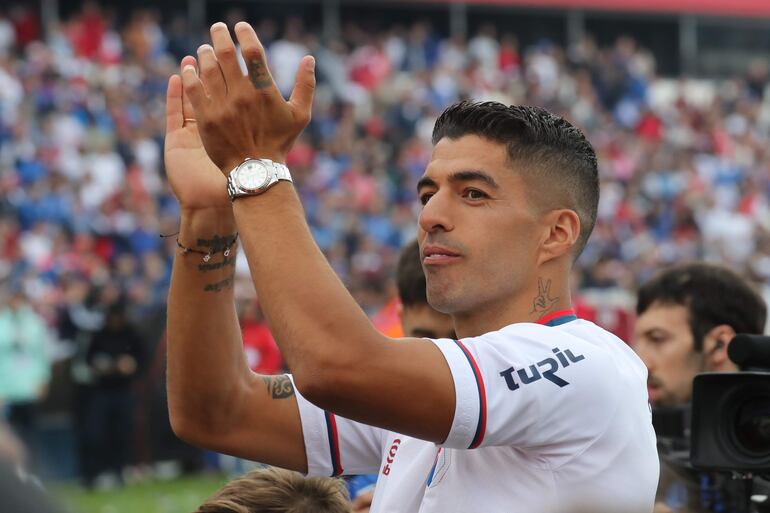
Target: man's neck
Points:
(540, 302)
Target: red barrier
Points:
(737, 8)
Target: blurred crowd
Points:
(84, 198)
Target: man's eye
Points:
(475, 194)
(425, 197)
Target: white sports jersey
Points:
(549, 417)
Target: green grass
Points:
(181, 495)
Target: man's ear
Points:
(715, 345)
(563, 232)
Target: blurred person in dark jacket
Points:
(115, 356)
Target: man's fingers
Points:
(210, 73)
(304, 87)
(254, 55)
(174, 111)
(224, 48)
(193, 88)
(187, 108)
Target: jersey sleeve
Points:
(528, 387)
(338, 446)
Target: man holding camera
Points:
(687, 318)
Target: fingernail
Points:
(218, 25)
(311, 64)
(205, 48)
(189, 67)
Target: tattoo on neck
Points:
(258, 74)
(279, 387)
(543, 302)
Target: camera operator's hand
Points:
(245, 116)
(195, 180)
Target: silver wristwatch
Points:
(255, 176)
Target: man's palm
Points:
(195, 180)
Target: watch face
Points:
(251, 176)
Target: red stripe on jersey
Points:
(334, 444)
(481, 427)
(553, 315)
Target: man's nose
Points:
(437, 213)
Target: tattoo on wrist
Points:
(543, 302)
(279, 387)
(258, 74)
(228, 261)
(219, 286)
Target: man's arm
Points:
(215, 401)
(339, 361)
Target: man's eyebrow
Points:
(461, 176)
(425, 182)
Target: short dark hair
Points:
(275, 490)
(545, 146)
(410, 277)
(712, 294)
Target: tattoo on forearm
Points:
(279, 387)
(258, 73)
(219, 286)
(543, 302)
(228, 261)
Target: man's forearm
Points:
(313, 317)
(205, 353)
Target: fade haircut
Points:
(410, 277)
(553, 156)
(712, 294)
(275, 490)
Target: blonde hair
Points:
(275, 490)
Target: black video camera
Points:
(730, 417)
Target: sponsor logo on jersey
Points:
(545, 369)
(391, 456)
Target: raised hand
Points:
(195, 180)
(243, 116)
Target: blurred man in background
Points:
(688, 315)
(275, 490)
(418, 319)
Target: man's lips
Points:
(433, 254)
